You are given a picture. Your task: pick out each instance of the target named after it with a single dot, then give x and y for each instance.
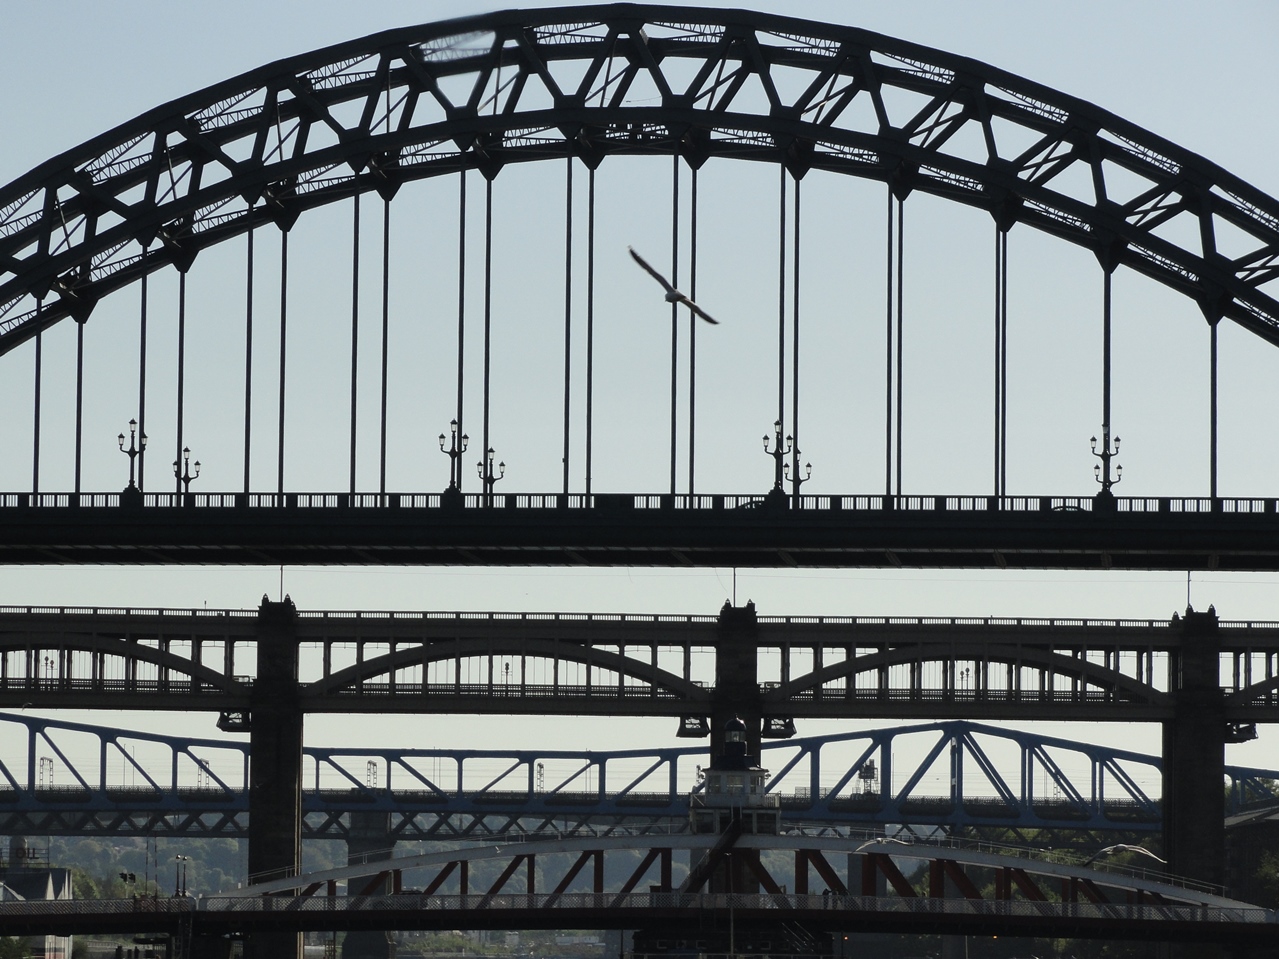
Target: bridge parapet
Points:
(550, 529)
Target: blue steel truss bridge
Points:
(75, 779)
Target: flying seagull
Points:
(1122, 847)
(672, 295)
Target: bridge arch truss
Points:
(608, 664)
(482, 92)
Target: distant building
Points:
(25, 874)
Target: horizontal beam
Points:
(920, 532)
(827, 914)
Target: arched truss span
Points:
(1044, 662)
(480, 92)
(660, 681)
(65, 669)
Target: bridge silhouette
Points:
(627, 465)
(82, 780)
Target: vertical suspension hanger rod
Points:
(488, 317)
(692, 333)
(781, 299)
(568, 309)
(248, 358)
(901, 278)
(386, 323)
(355, 328)
(142, 376)
(1003, 372)
(182, 362)
(796, 481)
(461, 310)
(284, 314)
(79, 403)
(35, 426)
(590, 325)
(674, 310)
(888, 351)
(1212, 413)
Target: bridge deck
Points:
(641, 530)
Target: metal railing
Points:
(622, 502)
(673, 619)
(410, 902)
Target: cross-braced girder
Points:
(481, 92)
(75, 779)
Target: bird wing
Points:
(650, 271)
(699, 311)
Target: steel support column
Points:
(369, 839)
(1194, 754)
(736, 692)
(736, 695)
(275, 766)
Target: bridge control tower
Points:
(731, 803)
(733, 791)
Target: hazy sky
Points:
(1202, 76)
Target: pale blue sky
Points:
(1203, 76)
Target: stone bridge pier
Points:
(1194, 803)
(275, 766)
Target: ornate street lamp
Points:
(186, 476)
(180, 875)
(485, 469)
(1101, 471)
(778, 453)
(456, 447)
(797, 481)
(136, 445)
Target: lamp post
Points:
(186, 476)
(778, 453)
(797, 481)
(485, 470)
(136, 446)
(180, 875)
(457, 446)
(1101, 471)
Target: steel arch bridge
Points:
(579, 85)
(372, 114)
(614, 664)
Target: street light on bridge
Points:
(797, 481)
(778, 453)
(485, 470)
(136, 446)
(457, 446)
(781, 469)
(1101, 471)
(186, 476)
(180, 875)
